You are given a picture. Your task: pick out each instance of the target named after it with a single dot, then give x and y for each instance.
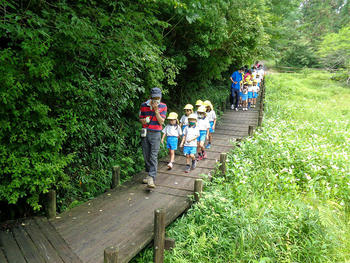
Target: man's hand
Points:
(155, 106)
(143, 121)
(235, 82)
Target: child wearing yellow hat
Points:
(245, 96)
(203, 126)
(198, 104)
(255, 92)
(250, 93)
(212, 121)
(189, 142)
(184, 119)
(172, 131)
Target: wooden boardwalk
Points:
(122, 217)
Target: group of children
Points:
(250, 87)
(195, 128)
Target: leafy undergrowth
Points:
(286, 195)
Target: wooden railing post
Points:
(260, 119)
(198, 188)
(159, 235)
(223, 157)
(51, 204)
(250, 130)
(111, 255)
(115, 176)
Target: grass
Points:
(286, 197)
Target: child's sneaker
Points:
(194, 164)
(200, 157)
(208, 146)
(170, 166)
(188, 168)
(204, 155)
(236, 109)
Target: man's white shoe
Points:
(150, 182)
(236, 109)
(232, 107)
(145, 180)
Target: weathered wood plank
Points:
(29, 250)
(60, 245)
(46, 250)
(2, 257)
(10, 247)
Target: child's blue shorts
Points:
(211, 127)
(171, 142)
(240, 94)
(202, 136)
(183, 127)
(244, 97)
(190, 150)
(250, 94)
(255, 95)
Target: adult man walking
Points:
(236, 78)
(152, 116)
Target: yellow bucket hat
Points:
(188, 107)
(199, 103)
(172, 116)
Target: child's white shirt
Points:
(191, 133)
(184, 120)
(245, 90)
(203, 124)
(211, 115)
(250, 88)
(172, 130)
(255, 88)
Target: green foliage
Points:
(334, 51)
(73, 74)
(285, 197)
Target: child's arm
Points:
(163, 138)
(183, 141)
(214, 124)
(208, 134)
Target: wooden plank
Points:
(64, 251)
(10, 247)
(46, 250)
(130, 249)
(2, 257)
(29, 250)
(139, 219)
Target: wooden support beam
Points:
(260, 119)
(115, 176)
(111, 255)
(159, 235)
(223, 106)
(223, 158)
(250, 130)
(169, 243)
(51, 204)
(198, 188)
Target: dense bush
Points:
(73, 74)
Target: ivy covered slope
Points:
(73, 74)
(285, 197)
